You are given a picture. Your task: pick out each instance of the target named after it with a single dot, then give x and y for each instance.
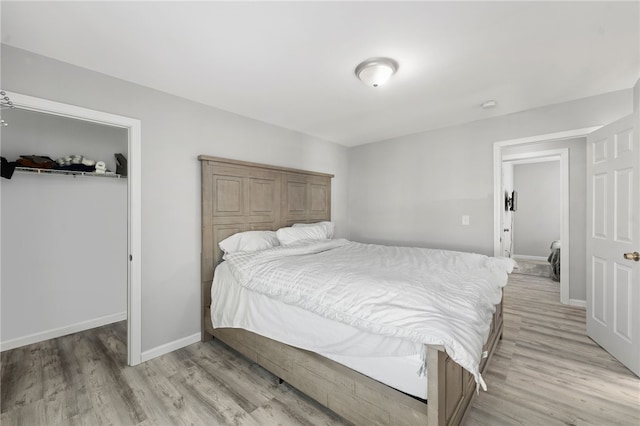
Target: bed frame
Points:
(240, 196)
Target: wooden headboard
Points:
(240, 196)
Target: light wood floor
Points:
(545, 372)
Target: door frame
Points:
(561, 155)
(134, 215)
(498, 199)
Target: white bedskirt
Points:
(396, 363)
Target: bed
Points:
(239, 196)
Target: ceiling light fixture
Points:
(376, 71)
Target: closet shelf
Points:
(67, 172)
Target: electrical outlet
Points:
(465, 219)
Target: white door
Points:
(613, 230)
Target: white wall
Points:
(413, 190)
(174, 132)
(64, 238)
(636, 97)
(537, 221)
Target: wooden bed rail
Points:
(358, 398)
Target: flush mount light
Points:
(489, 104)
(376, 71)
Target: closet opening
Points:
(70, 227)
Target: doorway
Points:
(133, 128)
(535, 200)
(499, 201)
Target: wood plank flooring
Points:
(546, 371)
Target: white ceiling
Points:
(292, 63)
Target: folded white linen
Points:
(426, 296)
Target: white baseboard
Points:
(527, 257)
(578, 302)
(61, 331)
(170, 347)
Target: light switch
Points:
(465, 219)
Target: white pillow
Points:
(330, 226)
(317, 231)
(249, 241)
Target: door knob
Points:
(632, 256)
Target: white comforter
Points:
(426, 296)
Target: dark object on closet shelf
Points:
(7, 168)
(121, 164)
(36, 161)
(77, 168)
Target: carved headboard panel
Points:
(305, 198)
(240, 196)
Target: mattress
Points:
(397, 361)
(426, 296)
